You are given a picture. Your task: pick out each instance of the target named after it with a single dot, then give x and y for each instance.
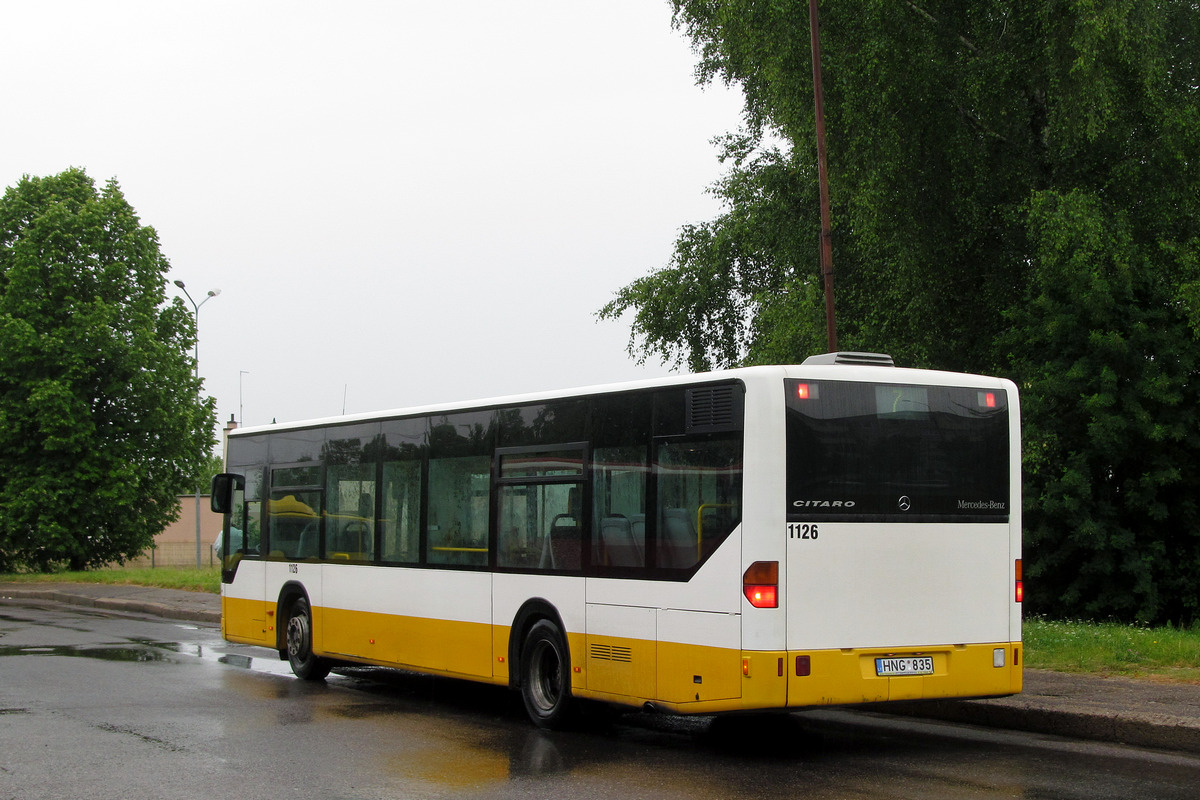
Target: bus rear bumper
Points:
(808, 678)
(876, 675)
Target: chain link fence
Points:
(175, 554)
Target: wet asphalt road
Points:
(98, 704)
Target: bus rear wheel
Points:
(546, 676)
(299, 644)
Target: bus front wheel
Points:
(299, 644)
(546, 676)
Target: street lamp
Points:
(211, 294)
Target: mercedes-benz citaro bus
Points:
(839, 532)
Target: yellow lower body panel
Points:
(440, 646)
(248, 621)
(838, 677)
(684, 679)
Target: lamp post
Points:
(196, 359)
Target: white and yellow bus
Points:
(839, 532)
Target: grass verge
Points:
(207, 579)
(1110, 648)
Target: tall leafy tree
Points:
(1016, 189)
(101, 420)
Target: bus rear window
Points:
(901, 452)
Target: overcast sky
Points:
(401, 202)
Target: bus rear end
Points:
(902, 576)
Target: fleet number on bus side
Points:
(802, 530)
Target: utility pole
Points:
(823, 177)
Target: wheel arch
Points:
(528, 615)
(289, 593)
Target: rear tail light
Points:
(760, 584)
(1020, 587)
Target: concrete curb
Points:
(159, 610)
(1139, 729)
(127, 605)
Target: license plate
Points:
(908, 665)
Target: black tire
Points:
(299, 644)
(546, 676)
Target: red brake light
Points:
(1020, 588)
(760, 584)
(762, 596)
(802, 391)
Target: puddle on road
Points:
(138, 650)
(101, 652)
(149, 651)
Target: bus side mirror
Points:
(223, 487)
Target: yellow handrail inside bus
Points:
(460, 549)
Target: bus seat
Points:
(676, 539)
(565, 542)
(308, 546)
(620, 547)
(354, 539)
(638, 521)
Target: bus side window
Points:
(230, 495)
(401, 520)
(251, 515)
(295, 525)
(619, 514)
(699, 498)
(241, 533)
(540, 526)
(350, 512)
(458, 510)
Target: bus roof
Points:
(831, 366)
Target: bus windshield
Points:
(896, 452)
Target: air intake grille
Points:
(714, 408)
(606, 652)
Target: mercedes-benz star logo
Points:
(904, 504)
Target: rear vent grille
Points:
(606, 652)
(714, 408)
(861, 359)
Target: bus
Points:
(843, 531)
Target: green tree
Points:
(101, 420)
(214, 465)
(1016, 190)
(1112, 463)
